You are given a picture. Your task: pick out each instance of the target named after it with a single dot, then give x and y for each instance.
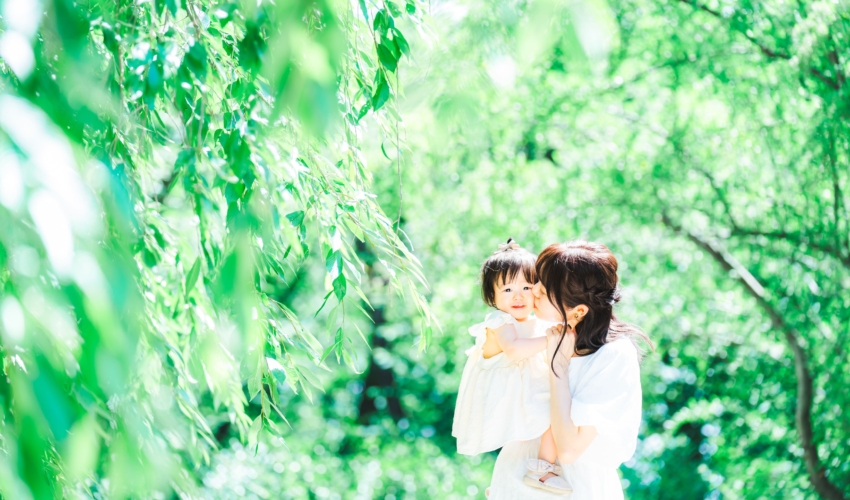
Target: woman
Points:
(594, 379)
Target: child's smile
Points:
(515, 298)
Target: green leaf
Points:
(192, 277)
(324, 301)
(395, 10)
(196, 61)
(388, 59)
(276, 370)
(310, 377)
(381, 23)
(296, 218)
(155, 78)
(333, 261)
(110, 40)
(401, 42)
(363, 297)
(251, 48)
(282, 416)
(427, 334)
(364, 10)
(331, 348)
(254, 433)
(255, 382)
(382, 93)
(306, 388)
(362, 336)
(364, 110)
(410, 7)
(339, 285)
(264, 400)
(350, 362)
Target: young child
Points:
(504, 390)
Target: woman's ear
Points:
(581, 310)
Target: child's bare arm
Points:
(491, 345)
(515, 347)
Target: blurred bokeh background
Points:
(239, 241)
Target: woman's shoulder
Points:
(621, 344)
(620, 348)
(617, 359)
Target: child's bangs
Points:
(504, 267)
(516, 268)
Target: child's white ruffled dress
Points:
(500, 399)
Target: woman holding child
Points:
(593, 373)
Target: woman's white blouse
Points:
(606, 393)
(500, 399)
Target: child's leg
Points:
(548, 451)
(537, 477)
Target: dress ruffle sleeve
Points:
(492, 321)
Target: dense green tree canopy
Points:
(239, 241)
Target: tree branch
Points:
(720, 195)
(837, 195)
(817, 473)
(833, 250)
(767, 51)
(556, 104)
(797, 239)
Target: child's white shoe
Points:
(538, 468)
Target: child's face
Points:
(515, 297)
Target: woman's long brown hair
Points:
(581, 272)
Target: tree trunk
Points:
(383, 379)
(803, 415)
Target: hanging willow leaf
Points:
(387, 57)
(401, 42)
(178, 134)
(339, 286)
(196, 60)
(382, 92)
(192, 276)
(251, 48)
(296, 218)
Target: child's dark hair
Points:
(504, 266)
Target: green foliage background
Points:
(239, 241)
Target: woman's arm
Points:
(570, 440)
(514, 347)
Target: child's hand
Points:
(565, 352)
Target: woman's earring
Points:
(576, 315)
